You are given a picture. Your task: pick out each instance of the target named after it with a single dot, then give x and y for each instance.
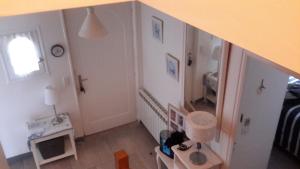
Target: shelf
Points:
(165, 159)
(68, 152)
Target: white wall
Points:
(166, 90)
(24, 100)
(155, 78)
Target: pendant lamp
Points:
(91, 27)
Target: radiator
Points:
(151, 113)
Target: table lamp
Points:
(50, 100)
(200, 128)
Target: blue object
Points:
(164, 148)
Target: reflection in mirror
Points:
(204, 64)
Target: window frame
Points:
(4, 58)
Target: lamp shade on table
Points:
(51, 99)
(50, 96)
(201, 126)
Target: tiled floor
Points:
(96, 152)
(280, 160)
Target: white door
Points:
(260, 111)
(106, 67)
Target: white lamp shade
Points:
(201, 126)
(92, 28)
(216, 53)
(216, 49)
(50, 96)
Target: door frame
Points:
(81, 133)
(188, 70)
(236, 107)
(3, 161)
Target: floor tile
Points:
(97, 150)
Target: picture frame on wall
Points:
(176, 119)
(172, 65)
(157, 28)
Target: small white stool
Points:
(43, 130)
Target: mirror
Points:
(205, 72)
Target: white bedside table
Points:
(43, 130)
(181, 159)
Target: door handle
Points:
(81, 87)
(190, 60)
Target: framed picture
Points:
(172, 65)
(175, 119)
(157, 29)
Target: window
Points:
(21, 53)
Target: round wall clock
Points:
(57, 50)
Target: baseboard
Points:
(17, 158)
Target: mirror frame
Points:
(223, 70)
(223, 73)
